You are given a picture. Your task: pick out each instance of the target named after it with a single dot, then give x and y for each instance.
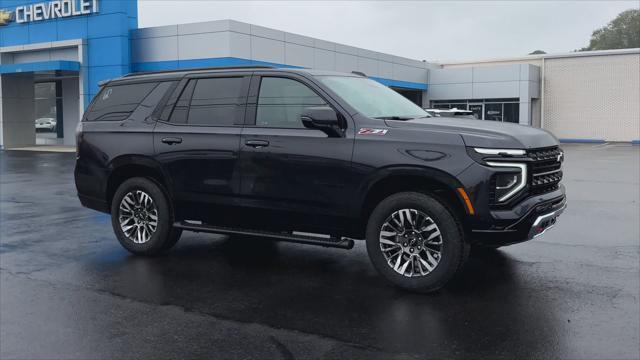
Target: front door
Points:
(198, 145)
(477, 110)
(298, 175)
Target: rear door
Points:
(288, 170)
(197, 142)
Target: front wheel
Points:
(415, 242)
(142, 217)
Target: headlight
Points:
(502, 152)
(509, 183)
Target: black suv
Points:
(312, 157)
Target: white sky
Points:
(429, 30)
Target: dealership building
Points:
(54, 54)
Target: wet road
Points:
(68, 290)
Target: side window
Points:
(281, 101)
(117, 102)
(149, 103)
(181, 109)
(218, 101)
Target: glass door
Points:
(48, 119)
(477, 110)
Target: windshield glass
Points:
(373, 99)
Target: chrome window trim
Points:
(512, 152)
(523, 177)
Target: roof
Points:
(545, 56)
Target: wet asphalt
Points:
(68, 290)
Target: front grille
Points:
(545, 170)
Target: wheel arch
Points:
(129, 166)
(393, 180)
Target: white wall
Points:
(593, 97)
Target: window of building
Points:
(505, 110)
(281, 102)
(493, 112)
(511, 113)
(217, 101)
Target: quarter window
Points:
(115, 103)
(281, 102)
(181, 109)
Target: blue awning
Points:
(40, 66)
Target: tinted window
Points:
(149, 103)
(181, 110)
(218, 101)
(281, 101)
(117, 102)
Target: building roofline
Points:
(543, 56)
(230, 25)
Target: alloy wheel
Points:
(411, 243)
(138, 216)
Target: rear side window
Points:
(117, 102)
(148, 105)
(181, 109)
(218, 101)
(281, 102)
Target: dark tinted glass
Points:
(217, 101)
(493, 112)
(281, 101)
(149, 103)
(117, 102)
(181, 110)
(511, 113)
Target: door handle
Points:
(172, 140)
(257, 143)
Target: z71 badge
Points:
(369, 131)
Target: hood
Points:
(483, 133)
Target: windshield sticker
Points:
(370, 131)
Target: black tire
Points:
(165, 236)
(454, 248)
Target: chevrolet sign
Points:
(49, 10)
(5, 17)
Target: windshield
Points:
(373, 99)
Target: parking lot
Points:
(68, 289)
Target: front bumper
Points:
(535, 222)
(545, 222)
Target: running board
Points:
(340, 243)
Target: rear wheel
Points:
(415, 242)
(142, 217)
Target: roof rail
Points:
(239, 67)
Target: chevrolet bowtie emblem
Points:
(5, 17)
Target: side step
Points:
(340, 243)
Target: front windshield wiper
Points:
(394, 117)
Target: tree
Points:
(623, 32)
(537, 52)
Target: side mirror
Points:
(322, 118)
